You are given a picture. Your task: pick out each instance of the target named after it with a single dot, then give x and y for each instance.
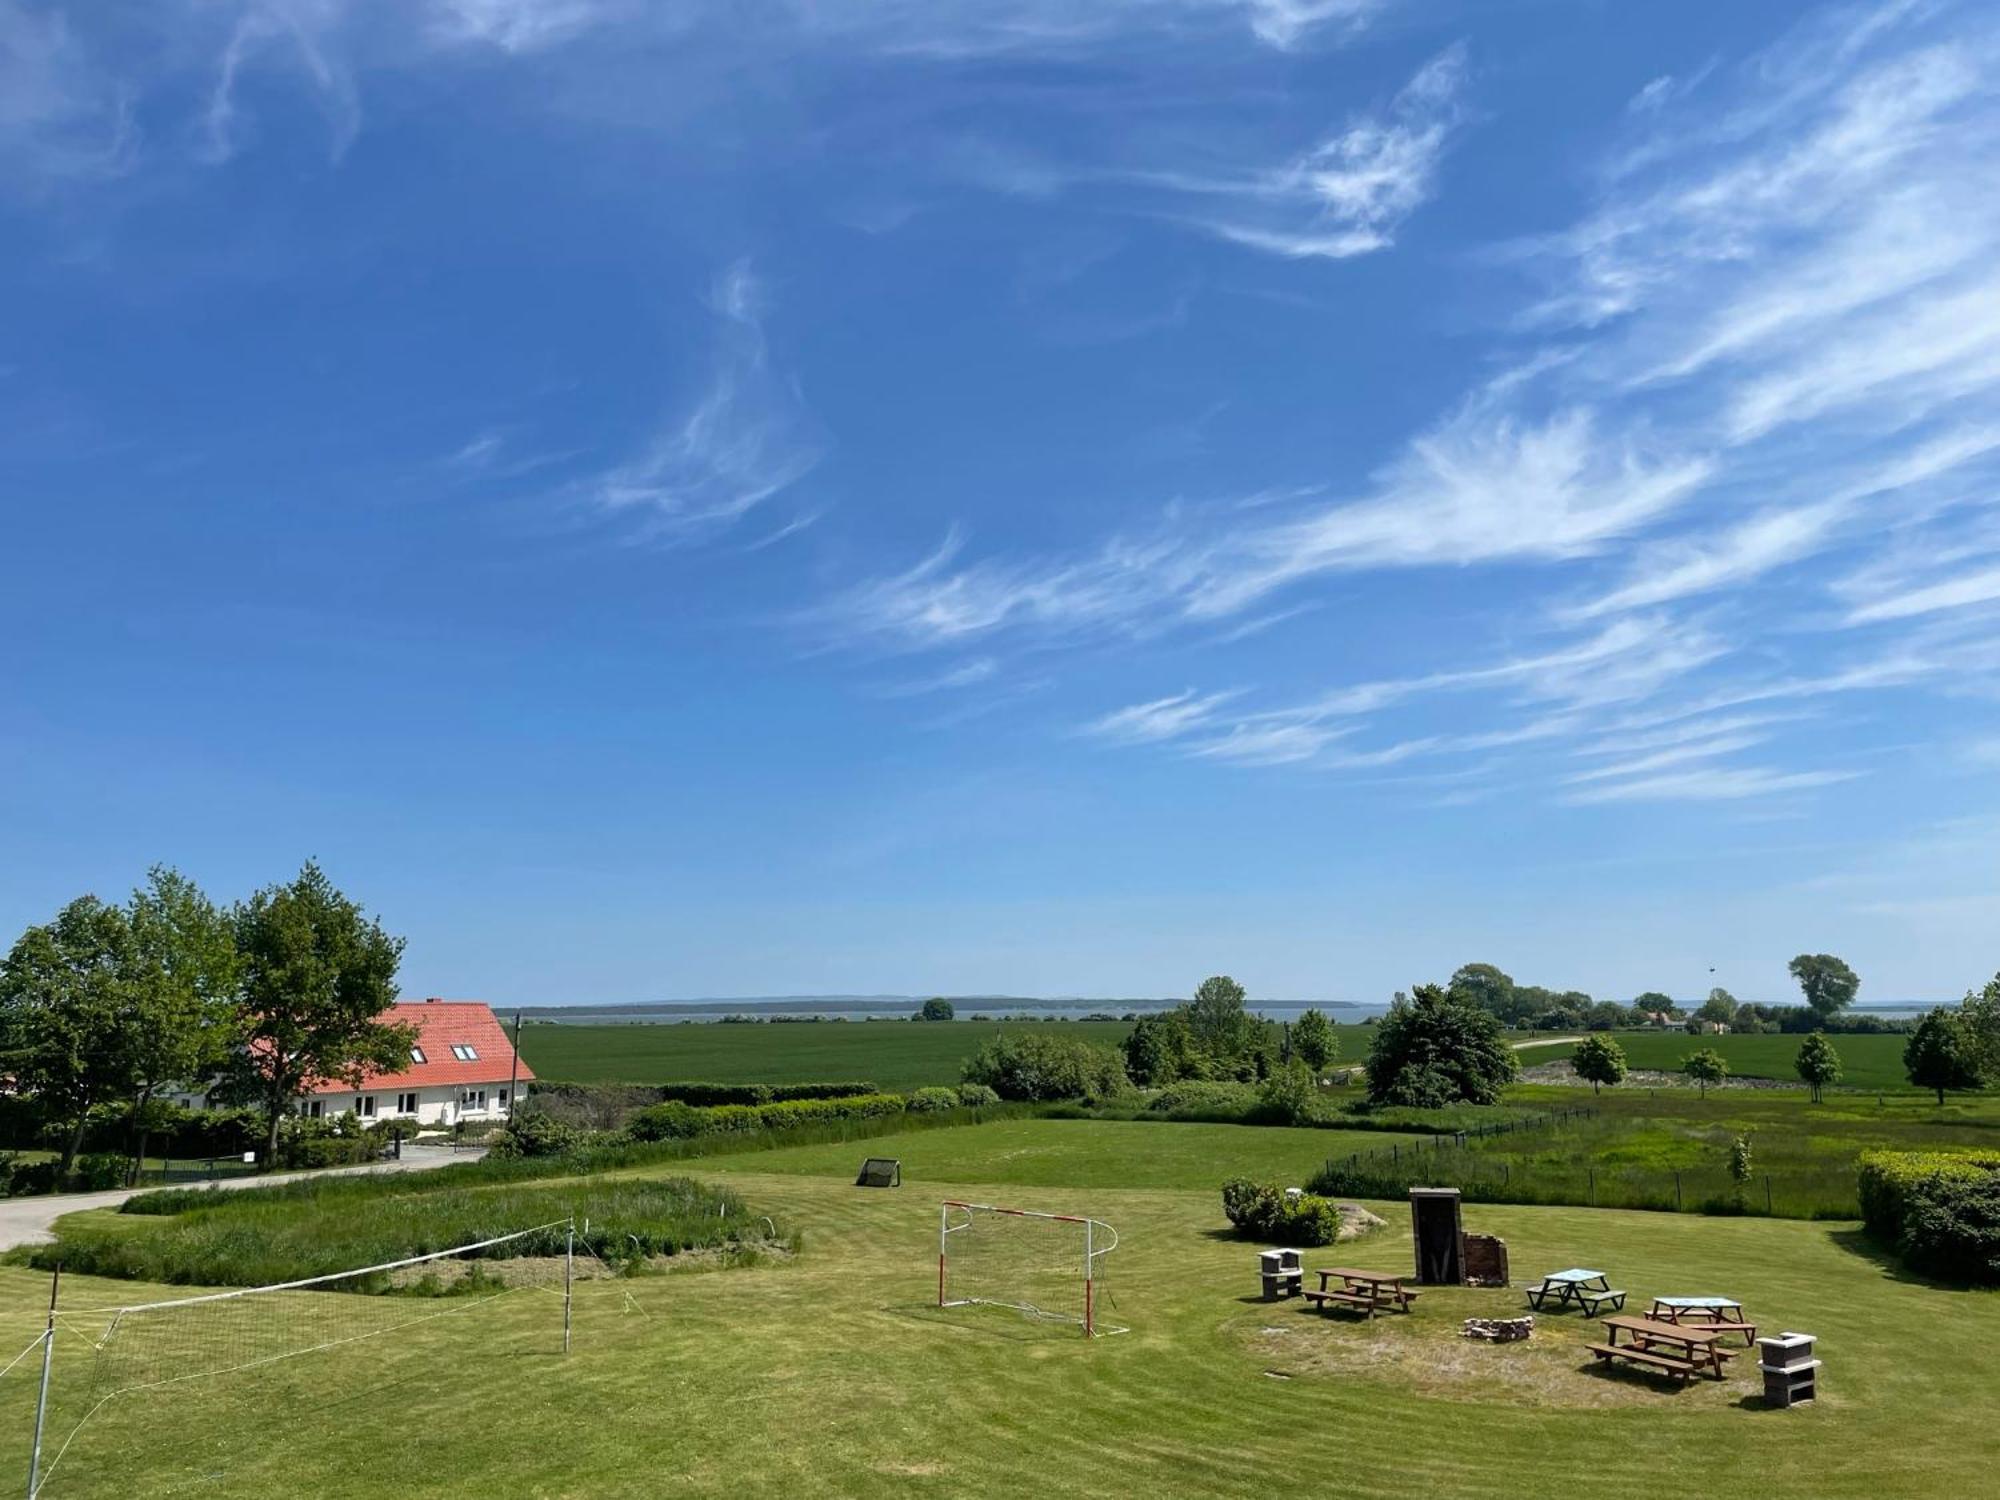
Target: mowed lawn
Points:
(1867, 1062)
(835, 1374)
(898, 1055)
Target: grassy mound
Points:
(261, 1236)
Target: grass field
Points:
(1867, 1062)
(898, 1055)
(835, 1375)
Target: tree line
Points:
(1827, 987)
(111, 1004)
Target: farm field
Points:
(898, 1055)
(1868, 1061)
(835, 1375)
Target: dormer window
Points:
(464, 1052)
(417, 1055)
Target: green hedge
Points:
(677, 1121)
(1939, 1209)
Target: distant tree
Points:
(1605, 1015)
(1222, 1027)
(1692, 1025)
(936, 1009)
(1600, 1060)
(1817, 1063)
(1655, 1003)
(1720, 1006)
(184, 1022)
(1289, 1096)
(1042, 1065)
(1435, 1049)
(1828, 985)
(1485, 986)
(1705, 1067)
(316, 977)
(65, 1006)
(1160, 1049)
(1938, 1057)
(1314, 1041)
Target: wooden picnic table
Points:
(1723, 1314)
(1369, 1291)
(1679, 1349)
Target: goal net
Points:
(1044, 1265)
(186, 1378)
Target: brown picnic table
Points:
(1679, 1349)
(1367, 1291)
(1723, 1314)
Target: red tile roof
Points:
(441, 1025)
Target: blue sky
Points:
(671, 500)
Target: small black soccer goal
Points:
(880, 1171)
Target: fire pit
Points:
(1500, 1330)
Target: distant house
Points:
(1657, 1018)
(462, 1067)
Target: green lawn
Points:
(835, 1375)
(898, 1055)
(1868, 1062)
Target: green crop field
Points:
(835, 1374)
(898, 1055)
(1868, 1062)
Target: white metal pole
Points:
(1089, 1271)
(569, 1272)
(942, 1211)
(42, 1400)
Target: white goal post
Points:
(1042, 1264)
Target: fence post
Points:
(1767, 1193)
(1593, 1187)
(1677, 1192)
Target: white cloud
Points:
(1711, 784)
(1162, 719)
(515, 25)
(61, 117)
(745, 440)
(1979, 587)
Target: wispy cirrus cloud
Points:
(748, 438)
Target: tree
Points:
(936, 1009)
(1654, 1003)
(1485, 986)
(1042, 1065)
(65, 1003)
(316, 977)
(1827, 983)
(1221, 1026)
(1160, 1050)
(1817, 1063)
(1741, 1164)
(1435, 1049)
(1979, 1020)
(1314, 1041)
(1705, 1067)
(1599, 1059)
(1938, 1057)
(1605, 1015)
(184, 1021)
(1720, 1006)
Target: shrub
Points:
(1039, 1066)
(1288, 1097)
(677, 1121)
(1433, 1049)
(1263, 1211)
(1198, 1097)
(925, 1101)
(29, 1178)
(534, 1132)
(101, 1170)
(1939, 1209)
(976, 1096)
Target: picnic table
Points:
(1589, 1290)
(1679, 1349)
(1724, 1314)
(1369, 1291)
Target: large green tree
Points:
(1817, 1063)
(1487, 987)
(184, 1020)
(1979, 1020)
(1315, 1041)
(1938, 1055)
(1160, 1050)
(1720, 1006)
(1436, 1049)
(1221, 1026)
(316, 976)
(1600, 1060)
(66, 1015)
(937, 1008)
(1828, 985)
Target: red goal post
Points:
(1056, 1274)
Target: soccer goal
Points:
(1044, 1265)
(200, 1370)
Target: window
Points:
(417, 1055)
(502, 1101)
(364, 1105)
(464, 1052)
(406, 1104)
(312, 1109)
(473, 1099)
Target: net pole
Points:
(1089, 1270)
(944, 1211)
(569, 1275)
(42, 1399)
